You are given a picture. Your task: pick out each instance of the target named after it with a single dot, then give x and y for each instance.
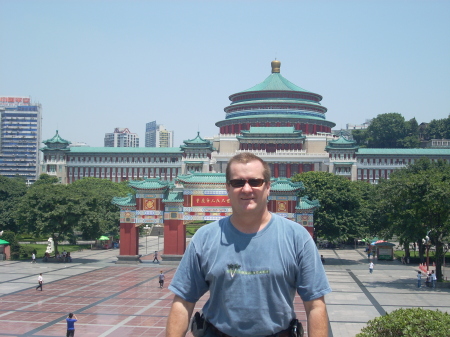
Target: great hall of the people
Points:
(275, 119)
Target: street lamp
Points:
(146, 237)
(426, 242)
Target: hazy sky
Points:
(97, 65)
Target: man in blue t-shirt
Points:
(252, 263)
(71, 319)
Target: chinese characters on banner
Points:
(208, 200)
(14, 101)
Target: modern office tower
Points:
(20, 137)
(156, 135)
(122, 137)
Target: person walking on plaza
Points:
(237, 259)
(40, 281)
(71, 319)
(156, 257)
(419, 279)
(371, 267)
(33, 258)
(433, 279)
(161, 279)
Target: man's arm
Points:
(316, 314)
(179, 316)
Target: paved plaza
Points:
(125, 300)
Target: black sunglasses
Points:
(241, 182)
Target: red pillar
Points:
(174, 237)
(129, 239)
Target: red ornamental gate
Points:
(203, 197)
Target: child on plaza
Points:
(161, 279)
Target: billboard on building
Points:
(9, 101)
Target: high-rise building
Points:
(156, 135)
(121, 137)
(20, 137)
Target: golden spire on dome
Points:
(276, 66)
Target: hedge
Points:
(412, 322)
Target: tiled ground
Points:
(114, 301)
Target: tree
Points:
(386, 131)
(438, 129)
(99, 215)
(411, 140)
(417, 199)
(49, 210)
(360, 137)
(343, 211)
(57, 210)
(11, 190)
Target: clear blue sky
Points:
(97, 65)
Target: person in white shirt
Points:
(40, 281)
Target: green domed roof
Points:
(275, 81)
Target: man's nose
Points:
(247, 187)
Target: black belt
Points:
(218, 333)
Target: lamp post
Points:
(146, 237)
(426, 242)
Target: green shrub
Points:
(408, 323)
(26, 251)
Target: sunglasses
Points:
(236, 183)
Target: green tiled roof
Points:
(150, 184)
(174, 197)
(305, 203)
(341, 143)
(201, 178)
(274, 100)
(285, 185)
(128, 201)
(129, 150)
(406, 152)
(344, 163)
(275, 82)
(194, 162)
(197, 140)
(56, 139)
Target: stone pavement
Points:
(125, 300)
(359, 296)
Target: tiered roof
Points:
(306, 204)
(201, 178)
(150, 184)
(128, 201)
(341, 143)
(285, 185)
(56, 143)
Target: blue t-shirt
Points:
(252, 278)
(71, 323)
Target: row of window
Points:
(123, 159)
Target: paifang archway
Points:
(195, 196)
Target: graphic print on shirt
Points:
(233, 269)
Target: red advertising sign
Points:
(210, 200)
(14, 101)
